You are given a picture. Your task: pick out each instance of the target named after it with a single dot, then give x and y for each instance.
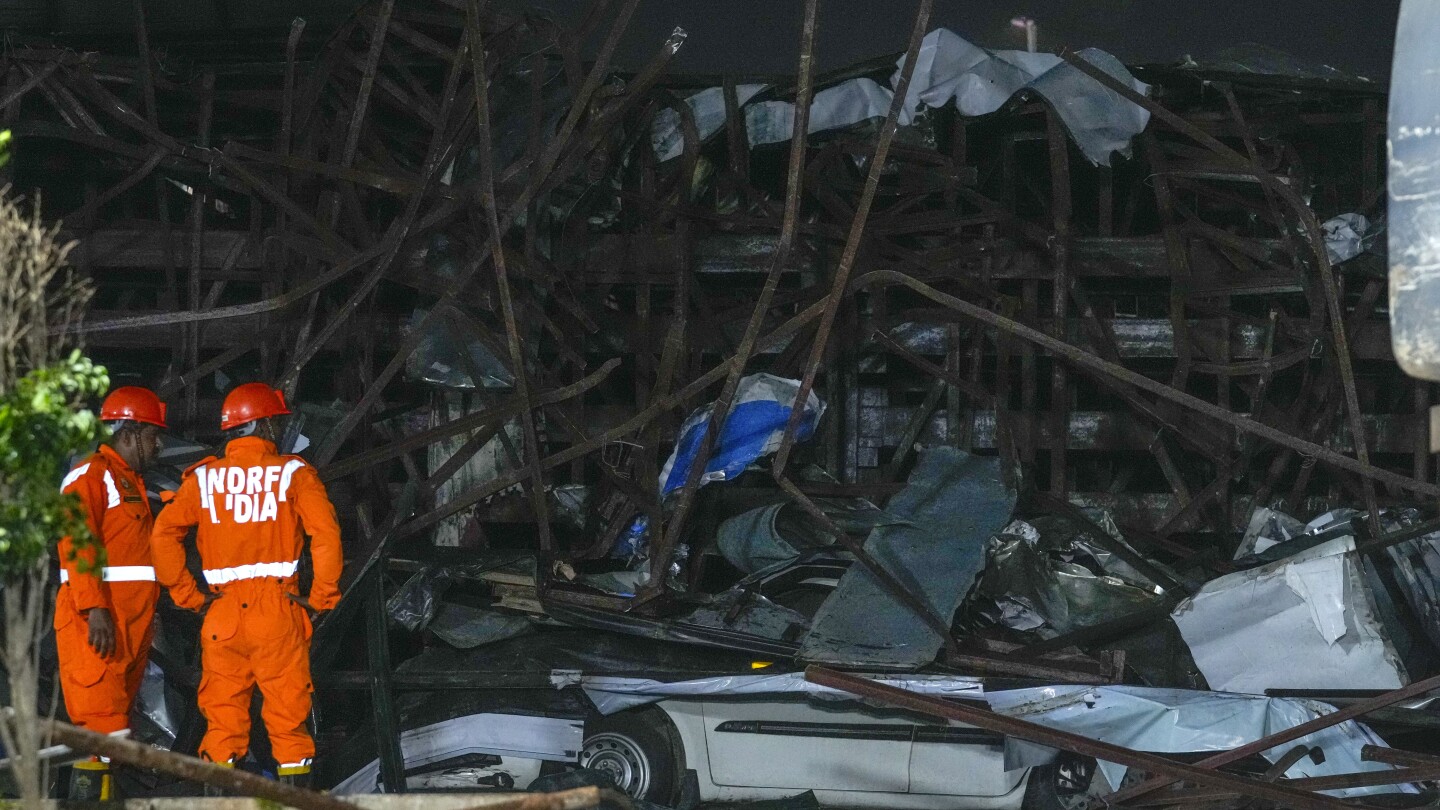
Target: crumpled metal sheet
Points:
(777, 534)
(615, 694)
(1267, 528)
(953, 503)
(1305, 622)
(504, 735)
(1181, 721)
(1415, 567)
(751, 614)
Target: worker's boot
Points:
(294, 775)
(91, 781)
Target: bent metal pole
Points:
(1025, 730)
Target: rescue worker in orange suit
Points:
(252, 508)
(104, 617)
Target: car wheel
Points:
(1064, 785)
(638, 751)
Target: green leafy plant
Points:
(40, 427)
(44, 382)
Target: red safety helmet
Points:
(249, 402)
(134, 404)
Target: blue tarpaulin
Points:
(756, 422)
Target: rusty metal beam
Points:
(851, 251)
(1033, 732)
(1092, 363)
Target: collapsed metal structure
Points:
(456, 243)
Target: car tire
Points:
(639, 751)
(1063, 785)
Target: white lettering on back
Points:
(272, 477)
(234, 480)
(244, 508)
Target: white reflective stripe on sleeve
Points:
(279, 570)
(286, 474)
(120, 573)
(74, 476)
(112, 495)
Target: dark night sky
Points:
(761, 36)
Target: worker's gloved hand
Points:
(102, 632)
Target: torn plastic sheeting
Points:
(844, 105)
(1036, 581)
(151, 702)
(754, 427)
(505, 735)
(667, 136)
(1181, 721)
(465, 627)
(980, 82)
(953, 503)
(1345, 237)
(1075, 541)
(1098, 119)
(1306, 622)
(949, 68)
(414, 605)
(616, 694)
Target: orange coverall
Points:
(99, 691)
(250, 508)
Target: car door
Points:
(959, 760)
(799, 744)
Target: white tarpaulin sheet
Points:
(502, 735)
(1181, 721)
(610, 694)
(948, 70)
(1305, 622)
(667, 136)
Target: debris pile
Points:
(1014, 365)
